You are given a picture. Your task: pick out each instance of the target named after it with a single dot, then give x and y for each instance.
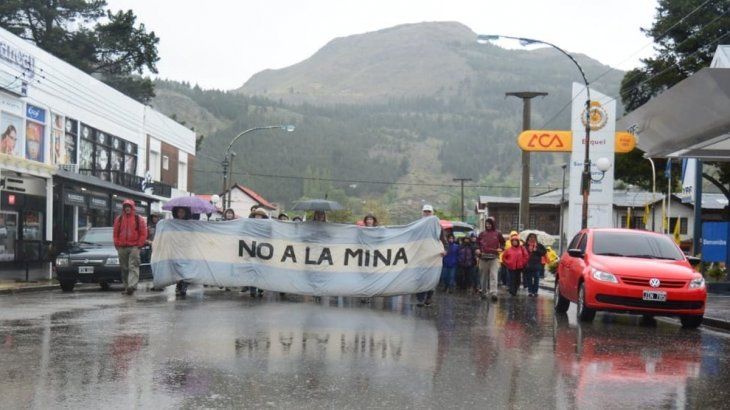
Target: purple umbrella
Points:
(196, 205)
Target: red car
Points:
(624, 270)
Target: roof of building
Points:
(255, 196)
(621, 198)
(535, 200)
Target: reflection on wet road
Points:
(222, 349)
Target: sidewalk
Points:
(717, 310)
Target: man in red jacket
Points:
(130, 233)
(490, 243)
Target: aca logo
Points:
(598, 116)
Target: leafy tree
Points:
(685, 34)
(85, 34)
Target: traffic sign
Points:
(562, 141)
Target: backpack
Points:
(136, 219)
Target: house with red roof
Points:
(243, 198)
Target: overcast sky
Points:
(220, 44)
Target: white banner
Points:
(306, 258)
(603, 128)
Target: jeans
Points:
(448, 277)
(533, 280)
(514, 280)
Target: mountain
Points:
(417, 104)
(431, 59)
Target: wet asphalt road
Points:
(216, 349)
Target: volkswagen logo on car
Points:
(654, 282)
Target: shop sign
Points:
(562, 141)
(25, 185)
(74, 199)
(35, 113)
(98, 202)
(24, 61)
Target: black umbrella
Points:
(317, 205)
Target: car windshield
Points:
(635, 245)
(100, 236)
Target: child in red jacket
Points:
(515, 259)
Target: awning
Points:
(97, 183)
(691, 119)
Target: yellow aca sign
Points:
(562, 141)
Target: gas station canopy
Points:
(690, 120)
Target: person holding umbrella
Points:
(184, 213)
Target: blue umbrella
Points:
(196, 205)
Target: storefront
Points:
(85, 201)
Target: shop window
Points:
(165, 162)
(106, 156)
(8, 235)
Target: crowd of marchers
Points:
(477, 264)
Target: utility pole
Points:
(225, 164)
(526, 96)
(462, 180)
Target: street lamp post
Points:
(227, 156)
(586, 175)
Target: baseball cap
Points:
(428, 208)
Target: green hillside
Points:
(418, 104)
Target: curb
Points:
(27, 289)
(44, 288)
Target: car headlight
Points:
(112, 261)
(697, 283)
(62, 261)
(604, 276)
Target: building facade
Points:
(71, 150)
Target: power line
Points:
(560, 111)
(356, 181)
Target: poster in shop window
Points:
(72, 127)
(34, 141)
(11, 141)
(58, 139)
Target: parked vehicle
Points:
(94, 259)
(624, 270)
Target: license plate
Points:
(655, 296)
(86, 269)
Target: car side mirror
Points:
(576, 253)
(693, 260)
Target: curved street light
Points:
(586, 175)
(226, 155)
